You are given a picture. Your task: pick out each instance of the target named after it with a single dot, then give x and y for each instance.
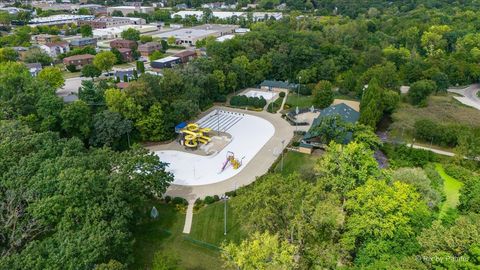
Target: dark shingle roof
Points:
(277, 84)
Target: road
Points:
(71, 86)
(468, 95)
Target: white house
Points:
(55, 48)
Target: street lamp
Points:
(281, 168)
(224, 198)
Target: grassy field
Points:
(443, 109)
(296, 162)
(165, 234)
(451, 188)
(208, 224)
(294, 100)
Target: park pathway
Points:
(437, 151)
(189, 217)
(468, 95)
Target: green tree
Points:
(52, 76)
(140, 67)
(323, 94)
(37, 55)
(156, 55)
(260, 251)
(76, 119)
(419, 91)
(118, 101)
(370, 111)
(8, 54)
(379, 215)
(104, 60)
(344, 168)
(91, 71)
(163, 261)
(86, 30)
(48, 109)
(131, 34)
(109, 128)
(152, 125)
(145, 38)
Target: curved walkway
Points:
(468, 95)
(258, 166)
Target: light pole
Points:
(225, 198)
(281, 167)
(298, 100)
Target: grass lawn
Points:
(208, 224)
(443, 109)
(274, 106)
(294, 100)
(296, 162)
(165, 234)
(451, 188)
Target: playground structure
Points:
(194, 134)
(232, 161)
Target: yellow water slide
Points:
(195, 134)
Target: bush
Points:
(209, 200)
(216, 198)
(199, 203)
(242, 100)
(71, 68)
(458, 172)
(167, 199)
(444, 135)
(232, 193)
(179, 201)
(282, 94)
(305, 90)
(403, 156)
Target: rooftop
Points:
(167, 59)
(79, 57)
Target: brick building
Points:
(122, 43)
(79, 61)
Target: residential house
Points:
(34, 68)
(83, 42)
(121, 74)
(44, 39)
(123, 43)
(79, 61)
(55, 48)
(186, 56)
(148, 48)
(127, 54)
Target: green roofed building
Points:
(342, 111)
(276, 85)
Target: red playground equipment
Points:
(232, 160)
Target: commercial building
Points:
(59, 19)
(190, 36)
(148, 48)
(79, 61)
(107, 22)
(186, 56)
(116, 32)
(166, 62)
(130, 9)
(256, 16)
(83, 42)
(123, 44)
(55, 48)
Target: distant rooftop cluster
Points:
(257, 16)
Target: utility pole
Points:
(281, 167)
(225, 198)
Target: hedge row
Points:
(242, 100)
(437, 133)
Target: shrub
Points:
(168, 199)
(403, 156)
(458, 172)
(232, 193)
(209, 200)
(216, 198)
(179, 201)
(430, 131)
(242, 100)
(282, 94)
(71, 68)
(199, 203)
